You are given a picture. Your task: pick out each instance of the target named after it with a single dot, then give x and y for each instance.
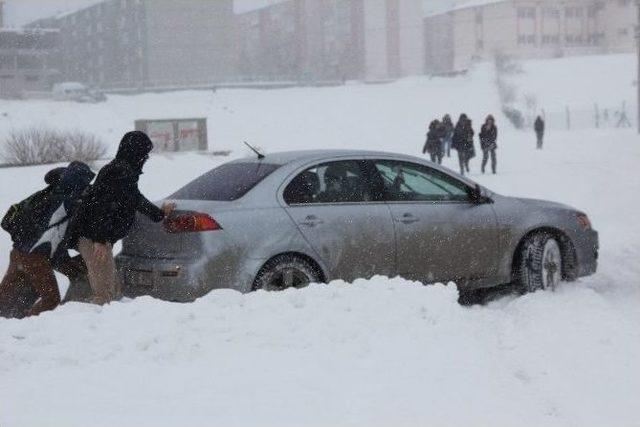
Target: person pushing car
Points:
(107, 213)
(38, 227)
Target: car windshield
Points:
(225, 183)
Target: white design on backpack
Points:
(56, 231)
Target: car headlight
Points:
(583, 221)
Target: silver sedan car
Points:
(288, 219)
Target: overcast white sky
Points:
(20, 12)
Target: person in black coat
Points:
(463, 142)
(433, 144)
(488, 142)
(538, 127)
(39, 229)
(108, 212)
(447, 134)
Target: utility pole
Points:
(638, 46)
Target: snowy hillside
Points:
(373, 353)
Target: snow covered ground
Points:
(372, 353)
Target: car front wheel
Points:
(541, 263)
(285, 271)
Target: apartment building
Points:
(329, 40)
(137, 44)
(27, 61)
(479, 30)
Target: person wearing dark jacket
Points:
(488, 142)
(108, 211)
(433, 144)
(447, 134)
(463, 142)
(538, 126)
(38, 227)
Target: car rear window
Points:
(226, 182)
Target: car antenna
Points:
(260, 155)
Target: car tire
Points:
(285, 271)
(540, 263)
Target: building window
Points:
(574, 39)
(32, 78)
(595, 38)
(550, 12)
(623, 32)
(478, 16)
(7, 61)
(573, 12)
(29, 62)
(527, 12)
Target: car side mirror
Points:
(478, 196)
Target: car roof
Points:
(284, 157)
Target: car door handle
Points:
(312, 221)
(408, 218)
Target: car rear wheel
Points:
(541, 263)
(285, 271)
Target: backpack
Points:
(14, 218)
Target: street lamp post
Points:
(638, 46)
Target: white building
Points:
(480, 29)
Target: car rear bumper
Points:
(170, 280)
(587, 247)
(183, 280)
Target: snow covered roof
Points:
(29, 30)
(444, 6)
(77, 9)
(243, 6)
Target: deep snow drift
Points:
(379, 352)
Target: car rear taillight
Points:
(583, 221)
(191, 222)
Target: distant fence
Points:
(593, 117)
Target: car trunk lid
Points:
(148, 239)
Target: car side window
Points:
(405, 181)
(333, 182)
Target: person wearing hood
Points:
(39, 230)
(538, 127)
(447, 134)
(108, 211)
(463, 142)
(433, 144)
(488, 142)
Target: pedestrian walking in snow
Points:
(488, 142)
(107, 213)
(447, 134)
(538, 126)
(462, 142)
(39, 228)
(433, 144)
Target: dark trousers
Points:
(463, 160)
(436, 157)
(29, 286)
(540, 138)
(485, 158)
